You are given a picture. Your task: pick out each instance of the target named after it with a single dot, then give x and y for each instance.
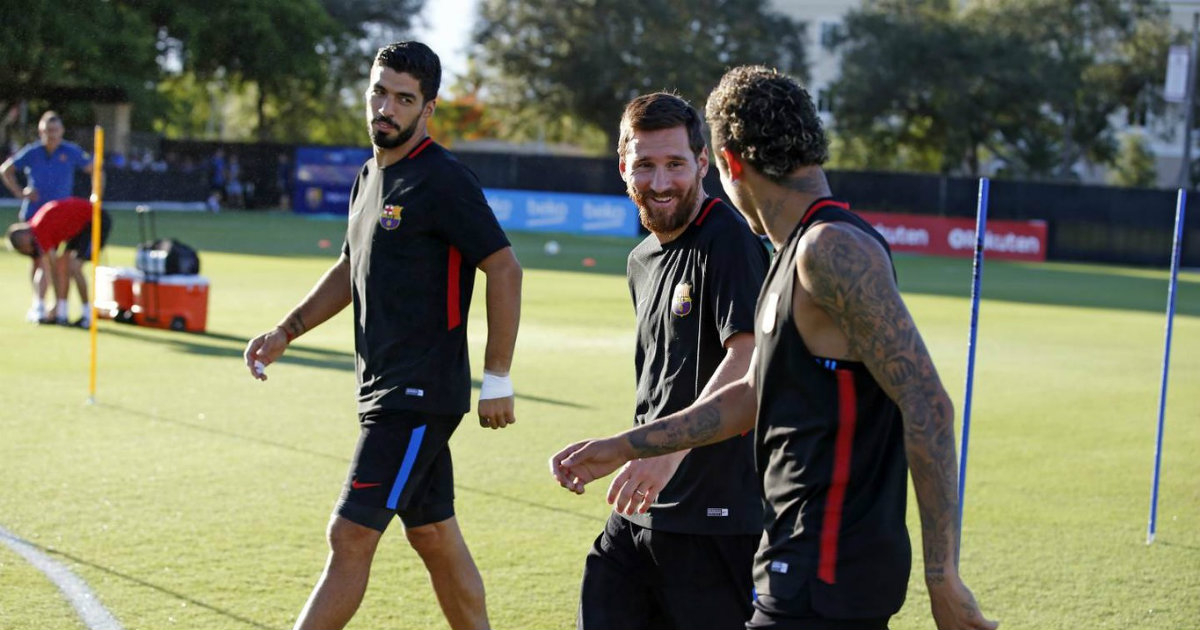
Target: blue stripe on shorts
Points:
(410, 457)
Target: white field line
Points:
(93, 614)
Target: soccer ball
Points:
(551, 248)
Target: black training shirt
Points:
(417, 229)
(690, 296)
(830, 449)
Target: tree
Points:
(1093, 59)
(45, 47)
(462, 117)
(1033, 84)
(274, 45)
(304, 62)
(298, 59)
(52, 56)
(587, 59)
(1135, 165)
(915, 77)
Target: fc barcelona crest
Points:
(390, 219)
(313, 197)
(681, 302)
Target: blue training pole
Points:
(1180, 203)
(976, 281)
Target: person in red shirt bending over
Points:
(67, 221)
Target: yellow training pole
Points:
(97, 180)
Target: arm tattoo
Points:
(294, 325)
(851, 279)
(695, 427)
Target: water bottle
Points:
(158, 262)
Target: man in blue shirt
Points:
(49, 167)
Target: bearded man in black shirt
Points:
(677, 551)
(418, 229)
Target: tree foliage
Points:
(1134, 164)
(1034, 84)
(586, 59)
(97, 45)
(298, 59)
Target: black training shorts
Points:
(636, 577)
(401, 467)
(797, 614)
(81, 243)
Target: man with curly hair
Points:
(841, 392)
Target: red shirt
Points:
(59, 221)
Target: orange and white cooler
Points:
(114, 291)
(178, 302)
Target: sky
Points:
(445, 25)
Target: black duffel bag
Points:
(167, 256)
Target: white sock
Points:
(37, 304)
(61, 312)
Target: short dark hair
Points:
(416, 59)
(769, 119)
(660, 110)
(13, 232)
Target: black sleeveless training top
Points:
(829, 449)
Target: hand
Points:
(636, 487)
(496, 413)
(29, 193)
(264, 349)
(582, 462)
(954, 607)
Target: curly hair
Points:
(657, 111)
(769, 119)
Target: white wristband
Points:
(495, 386)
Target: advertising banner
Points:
(943, 236)
(325, 175)
(323, 178)
(532, 211)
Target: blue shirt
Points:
(51, 174)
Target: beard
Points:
(399, 137)
(671, 219)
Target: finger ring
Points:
(641, 492)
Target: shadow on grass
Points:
(241, 437)
(218, 345)
(194, 343)
(1167, 543)
(335, 458)
(150, 585)
(1052, 284)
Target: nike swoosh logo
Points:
(357, 485)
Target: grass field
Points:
(192, 496)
